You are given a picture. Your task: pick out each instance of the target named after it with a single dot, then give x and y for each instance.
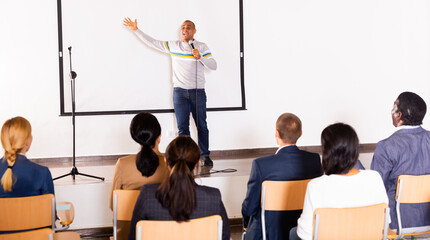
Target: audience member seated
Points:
(147, 167)
(178, 197)
(406, 151)
(20, 176)
(289, 163)
(342, 185)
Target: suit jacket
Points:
(31, 178)
(407, 151)
(127, 176)
(290, 163)
(208, 203)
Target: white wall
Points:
(298, 58)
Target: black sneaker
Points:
(207, 162)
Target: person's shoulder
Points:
(128, 158)
(424, 131)
(388, 141)
(265, 158)
(314, 183)
(201, 45)
(310, 155)
(30, 164)
(148, 190)
(214, 192)
(368, 173)
(150, 187)
(173, 42)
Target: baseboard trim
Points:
(216, 154)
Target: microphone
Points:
(73, 74)
(191, 43)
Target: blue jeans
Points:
(184, 102)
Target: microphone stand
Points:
(191, 42)
(74, 171)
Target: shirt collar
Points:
(279, 149)
(407, 127)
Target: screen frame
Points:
(61, 54)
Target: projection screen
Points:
(119, 74)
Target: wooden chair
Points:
(281, 196)
(26, 213)
(123, 206)
(208, 228)
(358, 223)
(410, 189)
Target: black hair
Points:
(176, 193)
(340, 148)
(145, 130)
(412, 107)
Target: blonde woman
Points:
(19, 176)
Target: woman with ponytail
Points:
(178, 197)
(145, 167)
(19, 176)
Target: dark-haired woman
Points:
(342, 185)
(178, 197)
(146, 167)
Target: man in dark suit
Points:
(289, 163)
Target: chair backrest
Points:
(123, 206)
(411, 189)
(281, 196)
(24, 213)
(358, 223)
(208, 228)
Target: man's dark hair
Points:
(412, 107)
(340, 148)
